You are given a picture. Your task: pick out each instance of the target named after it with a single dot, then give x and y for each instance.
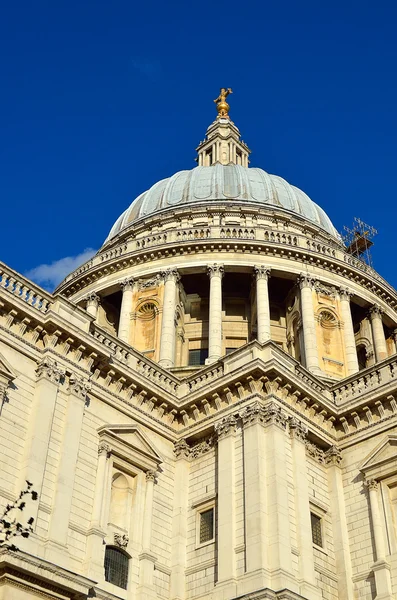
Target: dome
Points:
(231, 183)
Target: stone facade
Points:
(207, 410)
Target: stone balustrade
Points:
(366, 381)
(23, 289)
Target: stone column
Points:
(226, 488)
(59, 523)
(394, 341)
(255, 501)
(262, 303)
(306, 284)
(93, 301)
(350, 343)
(49, 377)
(96, 533)
(215, 273)
(127, 288)
(179, 521)
(279, 539)
(378, 333)
(147, 560)
(333, 460)
(307, 577)
(381, 567)
(167, 339)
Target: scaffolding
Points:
(358, 240)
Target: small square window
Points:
(206, 526)
(317, 536)
(198, 357)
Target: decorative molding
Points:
(225, 427)
(326, 290)
(315, 452)
(151, 476)
(202, 447)
(215, 270)
(274, 415)
(144, 284)
(371, 484)
(252, 415)
(50, 370)
(93, 299)
(297, 429)
(127, 285)
(305, 280)
(121, 540)
(104, 448)
(376, 311)
(78, 386)
(345, 293)
(333, 456)
(262, 272)
(181, 449)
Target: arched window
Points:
(116, 567)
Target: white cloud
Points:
(49, 276)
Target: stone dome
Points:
(231, 183)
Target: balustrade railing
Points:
(25, 290)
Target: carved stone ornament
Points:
(127, 285)
(297, 429)
(121, 540)
(170, 275)
(372, 484)
(50, 370)
(225, 427)
(104, 448)
(315, 452)
(252, 414)
(345, 294)
(333, 456)
(144, 284)
(79, 386)
(262, 272)
(305, 280)
(93, 299)
(151, 476)
(215, 270)
(376, 310)
(326, 290)
(202, 447)
(274, 415)
(181, 449)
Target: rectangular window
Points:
(317, 536)
(206, 526)
(198, 357)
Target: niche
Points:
(120, 500)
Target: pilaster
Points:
(179, 521)
(147, 560)
(226, 584)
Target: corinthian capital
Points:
(127, 285)
(333, 456)
(226, 426)
(274, 415)
(262, 272)
(93, 299)
(376, 311)
(252, 415)
(104, 448)
(297, 429)
(372, 484)
(49, 369)
(345, 294)
(306, 281)
(170, 275)
(151, 476)
(78, 386)
(181, 449)
(215, 270)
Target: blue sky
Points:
(99, 100)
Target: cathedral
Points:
(207, 408)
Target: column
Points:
(381, 567)
(49, 377)
(215, 273)
(179, 521)
(348, 331)
(167, 339)
(127, 288)
(93, 301)
(378, 333)
(394, 341)
(333, 460)
(226, 488)
(278, 517)
(147, 560)
(256, 534)
(306, 284)
(262, 303)
(307, 577)
(96, 533)
(59, 523)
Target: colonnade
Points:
(306, 284)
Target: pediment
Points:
(7, 373)
(382, 461)
(131, 444)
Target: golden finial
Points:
(221, 105)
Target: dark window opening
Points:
(198, 357)
(206, 526)
(317, 536)
(116, 567)
(362, 357)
